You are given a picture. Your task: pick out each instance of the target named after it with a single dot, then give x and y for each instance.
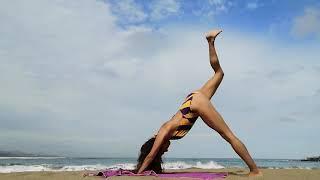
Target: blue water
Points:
(23, 164)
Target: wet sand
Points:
(234, 174)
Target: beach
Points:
(73, 167)
(233, 174)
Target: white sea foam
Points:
(32, 157)
(21, 168)
(184, 165)
(209, 165)
(122, 166)
(294, 167)
(96, 167)
(43, 167)
(177, 165)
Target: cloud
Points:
(307, 24)
(317, 92)
(280, 74)
(288, 119)
(164, 8)
(129, 11)
(220, 6)
(67, 68)
(133, 12)
(252, 5)
(210, 8)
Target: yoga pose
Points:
(196, 104)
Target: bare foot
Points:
(211, 35)
(257, 173)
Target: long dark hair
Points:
(155, 165)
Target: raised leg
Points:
(202, 105)
(213, 57)
(210, 87)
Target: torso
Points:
(181, 123)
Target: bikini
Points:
(187, 120)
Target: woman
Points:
(196, 104)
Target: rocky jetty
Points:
(314, 158)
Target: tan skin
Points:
(202, 105)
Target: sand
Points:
(234, 173)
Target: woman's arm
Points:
(160, 138)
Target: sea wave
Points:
(9, 168)
(45, 167)
(184, 165)
(96, 167)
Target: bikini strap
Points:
(194, 92)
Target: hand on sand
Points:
(85, 174)
(211, 35)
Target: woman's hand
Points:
(158, 142)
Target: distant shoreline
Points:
(23, 154)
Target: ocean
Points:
(24, 164)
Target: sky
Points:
(97, 78)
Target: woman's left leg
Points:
(202, 105)
(211, 86)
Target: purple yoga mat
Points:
(197, 175)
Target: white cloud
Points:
(129, 11)
(164, 8)
(217, 2)
(70, 67)
(308, 23)
(219, 6)
(252, 5)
